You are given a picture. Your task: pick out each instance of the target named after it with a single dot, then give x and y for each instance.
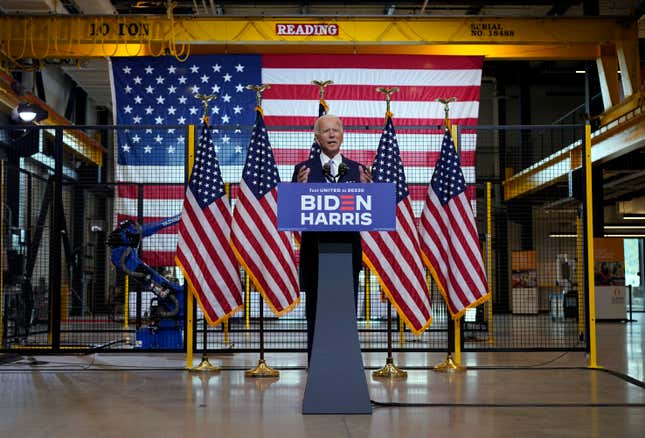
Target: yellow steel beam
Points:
(76, 141)
(534, 52)
(607, 65)
(630, 72)
(23, 37)
(623, 133)
(542, 174)
(630, 105)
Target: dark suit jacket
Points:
(309, 240)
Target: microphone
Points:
(342, 170)
(327, 172)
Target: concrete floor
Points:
(500, 395)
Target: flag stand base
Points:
(262, 370)
(205, 366)
(390, 370)
(449, 365)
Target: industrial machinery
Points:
(165, 326)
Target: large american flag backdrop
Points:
(154, 97)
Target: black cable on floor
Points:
(537, 365)
(107, 367)
(506, 405)
(623, 376)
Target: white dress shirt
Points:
(333, 163)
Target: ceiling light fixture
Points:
(570, 235)
(626, 236)
(28, 112)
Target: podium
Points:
(336, 382)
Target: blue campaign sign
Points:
(336, 207)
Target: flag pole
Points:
(262, 369)
(323, 109)
(390, 369)
(204, 364)
(451, 363)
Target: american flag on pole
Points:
(266, 253)
(315, 147)
(204, 252)
(154, 97)
(394, 256)
(448, 235)
(313, 153)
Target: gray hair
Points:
(327, 116)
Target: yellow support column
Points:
(247, 303)
(489, 259)
(580, 241)
(593, 363)
(189, 328)
(126, 302)
(1, 244)
(64, 302)
(368, 297)
(190, 299)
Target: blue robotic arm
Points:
(124, 241)
(153, 227)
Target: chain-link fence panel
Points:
(531, 241)
(535, 243)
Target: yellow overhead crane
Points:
(611, 42)
(494, 38)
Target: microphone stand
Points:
(327, 173)
(342, 170)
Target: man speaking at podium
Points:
(330, 167)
